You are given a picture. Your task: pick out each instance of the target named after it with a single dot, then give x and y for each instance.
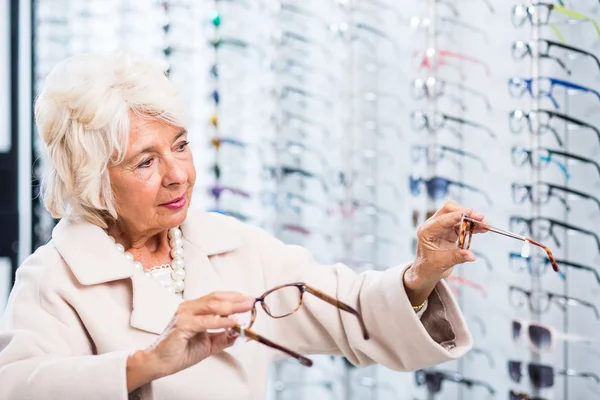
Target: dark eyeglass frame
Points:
(468, 225)
(530, 189)
(420, 120)
(553, 222)
(518, 115)
(549, 44)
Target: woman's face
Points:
(158, 169)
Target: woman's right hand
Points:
(185, 341)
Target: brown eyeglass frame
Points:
(303, 288)
(467, 226)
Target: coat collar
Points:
(91, 256)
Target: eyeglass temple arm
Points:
(465, 57)
(576, 157)
(470, 90)
(261, 339)
(458, 378)
(342, 306)
(470, 123)
(518, 237)
(574, 228)
(574, 49)
(487, 354)
(573, 373)
(568, 337)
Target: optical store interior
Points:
(342, 126)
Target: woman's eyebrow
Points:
(150, 149)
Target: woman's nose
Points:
(175, 172)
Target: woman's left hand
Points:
(437, 253)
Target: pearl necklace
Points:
(174, 271)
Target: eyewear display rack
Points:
(305, 119)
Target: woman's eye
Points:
(145, 164)
(183, 145)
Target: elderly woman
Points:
(137, 295)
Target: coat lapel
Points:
(91, 255)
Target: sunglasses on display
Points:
(539, 301)
(438, 121)
(434, 88)
(541, 49)
(218, 141)
(468, 226)
(431, 59)
(542, 156)
(438, 188)
(541, 192)
(433, 380)
(544, 227)
(542, 376)
(539, 121)
(543, 87)
(436, 153)
(538, 14)
(542, 337)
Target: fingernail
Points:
(233, 334)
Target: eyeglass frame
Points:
(467, 228)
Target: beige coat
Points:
(78, 309)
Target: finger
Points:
(447, 259)
(223, 340)
(450, 207)
(441, 226)
(221, 307)
(198, 324)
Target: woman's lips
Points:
(175, 204)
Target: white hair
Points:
(83, 119)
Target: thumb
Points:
(223, 340)
(450, 258)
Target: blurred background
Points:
(340, 125)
